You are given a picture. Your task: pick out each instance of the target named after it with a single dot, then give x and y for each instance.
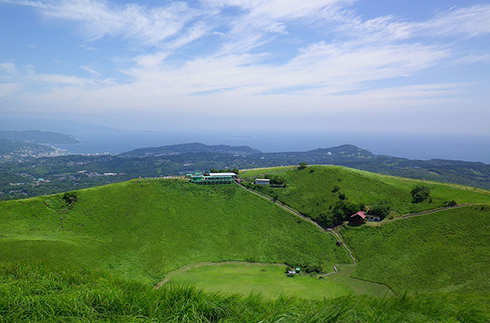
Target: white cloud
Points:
(470, 22)
(88, 69)
(8, 68)
(233, 72)
(8, 89)
(149, 26)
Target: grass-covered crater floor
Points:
(272, 282)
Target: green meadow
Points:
(144, 229)
(271, 282)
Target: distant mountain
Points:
(320, 155)
(70, 172)
(190, 148)
(39, 137)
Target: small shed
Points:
(262, 181)
(374, 218)
(358, 218)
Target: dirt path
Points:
(296, 213)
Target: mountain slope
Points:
(190, 148)
(145, 228)
(446, 251)
(316, 191)
(39, 137)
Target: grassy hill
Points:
(315, 190)
(93, 255)
(446, 251)
(146, 228)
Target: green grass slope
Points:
(314, 190)
(34, 293)
(446, 251)
(146, 228)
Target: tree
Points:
(342, 210)
(302, 166)
(420, 193)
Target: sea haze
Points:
(406, 145)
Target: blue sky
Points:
(373, 66)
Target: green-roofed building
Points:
(213, 178)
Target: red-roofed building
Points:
(358, 218)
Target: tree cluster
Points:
(420, 193)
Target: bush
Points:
(420, 193)
(70, 197)
(450, 203)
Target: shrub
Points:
(70, 197)
(420, 193)
(450, 203)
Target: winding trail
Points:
(296, 213)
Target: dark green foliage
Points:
(276, 180)
(342, 196)
(335, 189)
(451, 203)
(420, 193)
(70, 197)
(342, 211)
(381, 209)
(302, 166)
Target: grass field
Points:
(314, 190)
(447, 251)
(145, 228)
(98, 258)
(36, 293)
(261, 171)
(271, 282)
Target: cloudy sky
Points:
(373, 66)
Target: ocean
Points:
(468, 148)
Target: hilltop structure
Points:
(212, 178)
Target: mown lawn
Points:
(447, 251)
(271, 282)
